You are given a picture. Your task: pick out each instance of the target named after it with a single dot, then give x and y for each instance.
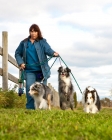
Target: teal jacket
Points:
(43, 50)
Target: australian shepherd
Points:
(42, 95)
(91, 100)
(65, 88)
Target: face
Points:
(34, 34)
(64, 72)
(89, 98)
(35, 89)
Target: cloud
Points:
(95, 20)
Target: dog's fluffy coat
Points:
(42, 95)
(91, 100)
(65, 88)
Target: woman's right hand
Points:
(22, 66)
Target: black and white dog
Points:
(42, 95)
(65, 88)
(91, 100)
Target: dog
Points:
(42, 95)
(91, 100)
(65, 88)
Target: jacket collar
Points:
(28, 38)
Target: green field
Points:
(22, 124)
(18, 123)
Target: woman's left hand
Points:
(56, 54)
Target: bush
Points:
(75, 99)
(10, 99)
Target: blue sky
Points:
(80, 31)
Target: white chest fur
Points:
(40, 102)
(67, 81)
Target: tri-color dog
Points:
(65, 88)
(91, 100)
(42, 95)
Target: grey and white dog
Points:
(42, 95)
(65, 88)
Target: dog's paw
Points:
(72, 107)
(64, 106)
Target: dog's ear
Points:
(34, 87)
(86, 90)
(60, 68)
(68, 70)
(93, 91)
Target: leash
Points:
(72, 75)
(39, 64)
(50, 68)
(60, 61)
(21, 80)
(21, 83)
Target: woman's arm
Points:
(48, 50)
(19, 54)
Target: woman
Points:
(31, 52)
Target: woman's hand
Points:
(56, 54)
(22, 66)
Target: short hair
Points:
(36, 28)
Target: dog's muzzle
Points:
(62, 74)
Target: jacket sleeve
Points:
(19, 54)
(47, 48)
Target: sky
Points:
(80, 31)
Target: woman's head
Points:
(35, 32)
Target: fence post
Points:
(5, 60)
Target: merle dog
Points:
(65, 87)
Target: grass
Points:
(22, 124)
(18, 123)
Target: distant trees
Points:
(106, 102)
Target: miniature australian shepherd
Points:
(91, 100)
(65, 88)
(42, 95)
